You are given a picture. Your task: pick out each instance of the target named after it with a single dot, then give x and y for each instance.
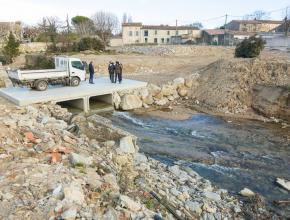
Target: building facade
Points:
(253, 25)
(137, 33)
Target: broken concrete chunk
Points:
(127, 145)
(76, 159)
(130, 204)
(283, 183)
(247, 192)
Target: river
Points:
(231, 154)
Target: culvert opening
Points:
(76, 105)
(101, 103)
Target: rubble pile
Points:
(177, 50)
(226, 86)
(50, 170)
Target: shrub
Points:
(88, 43)
(3, 59)
(11, 48)
(250, 48)
(39, 61)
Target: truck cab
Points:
(73, 65)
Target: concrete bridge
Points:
(79, 97)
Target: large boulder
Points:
(130, 102)
(153, 89)
(149, 100)
(144, 93)
(247, 192)
(188, 83)
(76, 159)
(178, 82)
(182, 91)
(167, 90)
(127, 145)
(116, 100)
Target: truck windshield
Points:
(77, 65)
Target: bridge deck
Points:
(102, 86)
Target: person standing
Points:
(118, 72)
(92, 72)
(111, 69)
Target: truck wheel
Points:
(41, 85)
(75, 81)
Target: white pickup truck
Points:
(68, 71)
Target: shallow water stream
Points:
(232, 155)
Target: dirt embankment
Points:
(226, 86)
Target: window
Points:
(146, 33)
(156, 32)
(155, 40)
(130, 33)
(168, 32)
(77, 65)
(168, 40)
(137, 33)
(162, 40)
(146, 40)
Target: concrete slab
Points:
(102, 86)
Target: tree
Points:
(11, 49)
(257, 15)
(250, 48)
(125, 18)
(130, 19)
(83, 25)
(50, 27)
(197, 25)
(105, 24)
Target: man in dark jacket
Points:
(92, 72)
(118, 71)
(111, 69)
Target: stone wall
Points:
(4, 81)
(154, 95)
(34, 47)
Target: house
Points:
(253, 25)
(282, 28)
(7, 27)
(137, 33)
(214, 37)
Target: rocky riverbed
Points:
(53, 169)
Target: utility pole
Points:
(175, 32)
(286, 23)
(225, 28)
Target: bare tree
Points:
(50, 27)
(130, 19)
(105, 24)
(124, 18)
(257, 15)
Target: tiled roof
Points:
(158, 27)
(257, 21)
(132, 24)
(215, 31)
(167, 27)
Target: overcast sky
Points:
(146, 11)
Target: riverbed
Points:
(231, 154)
